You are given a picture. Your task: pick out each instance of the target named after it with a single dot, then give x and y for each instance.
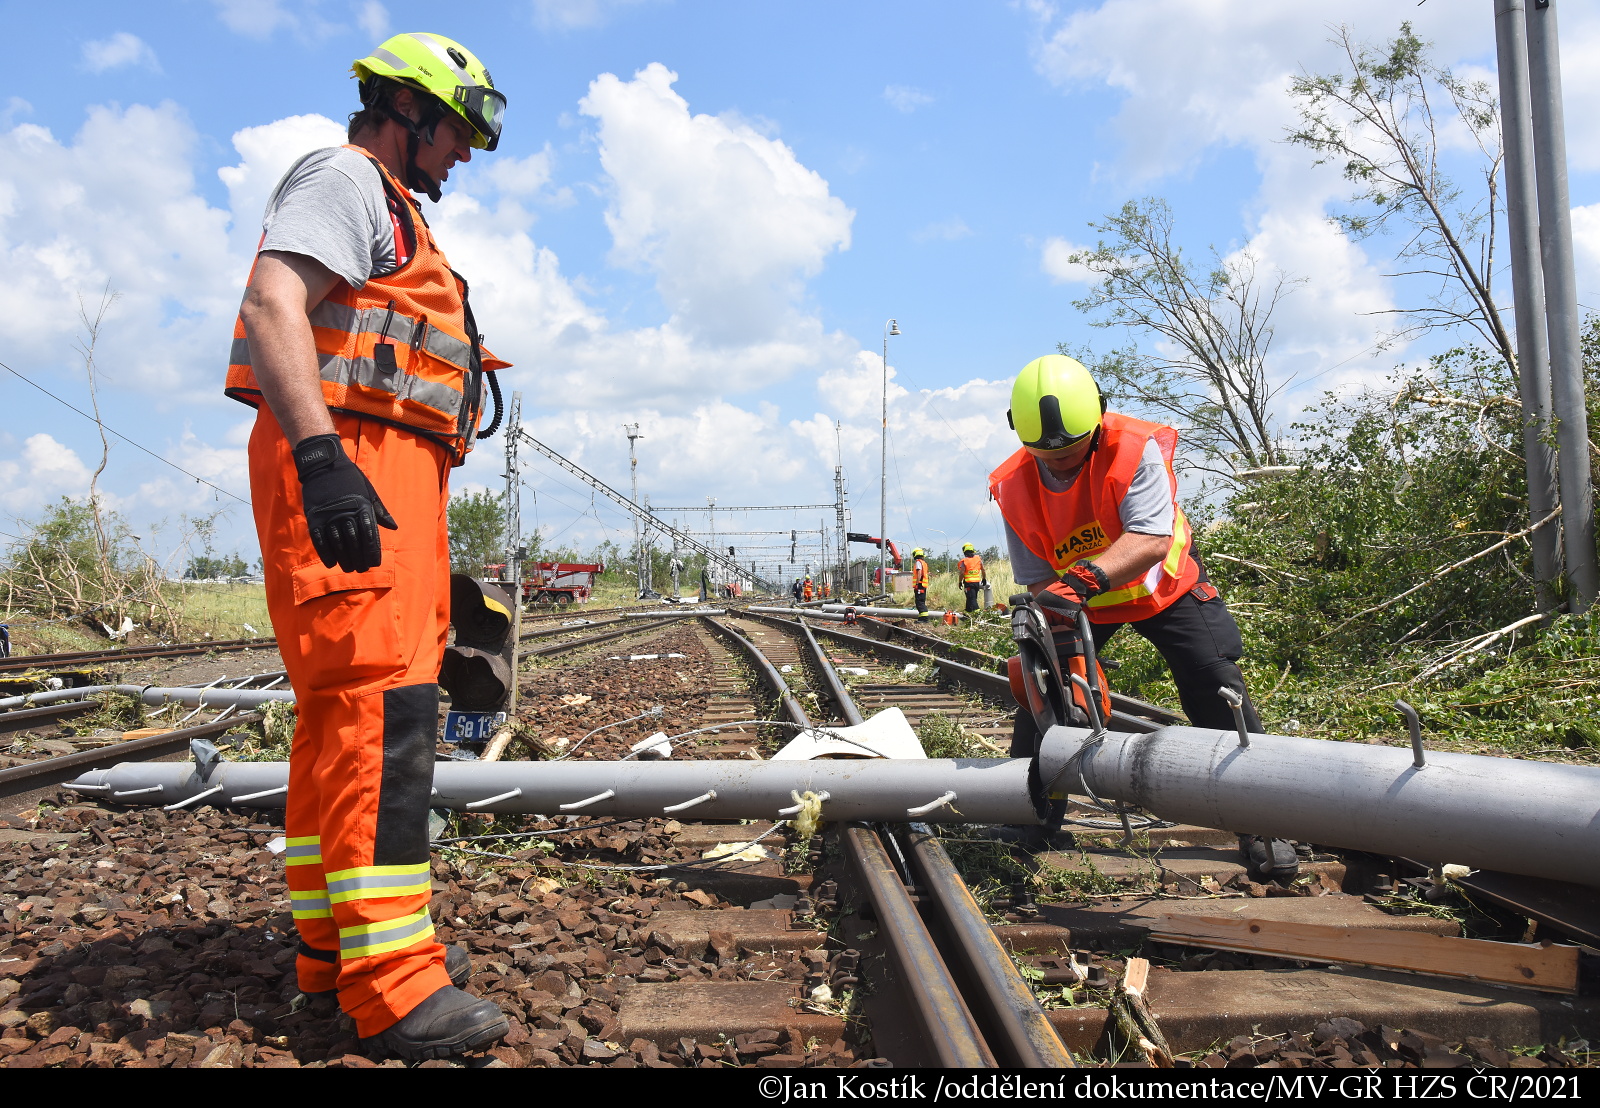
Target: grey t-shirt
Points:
(1145, 510)
(331, 206)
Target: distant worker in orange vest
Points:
(919, 578)
(973, 574)
(357, 347)
(807, 589)
(1093, 524)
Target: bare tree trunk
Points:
(86, 348)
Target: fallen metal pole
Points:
(1541, 819)
(893, 613)
(988, 790)
(158, 695)
(791, 612)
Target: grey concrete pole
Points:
(1541, 819)
(1561, 304)
(1527, 285)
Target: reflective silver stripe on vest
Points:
(402, 330)
(240, 354)
(403, 386)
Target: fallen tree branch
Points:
(1502, 544)
(1482, 642)
(1253, 565)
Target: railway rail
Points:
(87, 658)
(675, 943)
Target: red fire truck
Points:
(558, 583)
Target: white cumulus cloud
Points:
(121, 49)
(373, 18)
(727, 218)
(905, 98)
(1055, 259)
(41, 471)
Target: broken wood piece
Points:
(1546, 967)
(1136, 976)
(496, 747)
(1134, 1018)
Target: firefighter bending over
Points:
(1093, 523)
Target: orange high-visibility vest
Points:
(1083, 522)
(971, 570)
(919, 572)
(403, 348)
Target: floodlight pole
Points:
(890, 328)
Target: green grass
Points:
(221, 610)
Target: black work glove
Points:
(342, 508)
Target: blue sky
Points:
(707, 241)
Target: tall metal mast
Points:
(513, 507)
(840, 515)
(632, 430)
(890, 328)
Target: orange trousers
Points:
(362, 651)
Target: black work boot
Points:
(1270, 859)
(448, 1022)
(457, 963)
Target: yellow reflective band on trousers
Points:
(310, 903)
(379, 938)
(305, 851)
(375, 882)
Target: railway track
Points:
(674, 943)
(87, 658)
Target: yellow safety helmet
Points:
(445, 69)
(919, 553)
(1054, 403)
(968, 548)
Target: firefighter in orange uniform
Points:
(357, 346)
(1093, 524)
(973, 574)
(919, 578)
